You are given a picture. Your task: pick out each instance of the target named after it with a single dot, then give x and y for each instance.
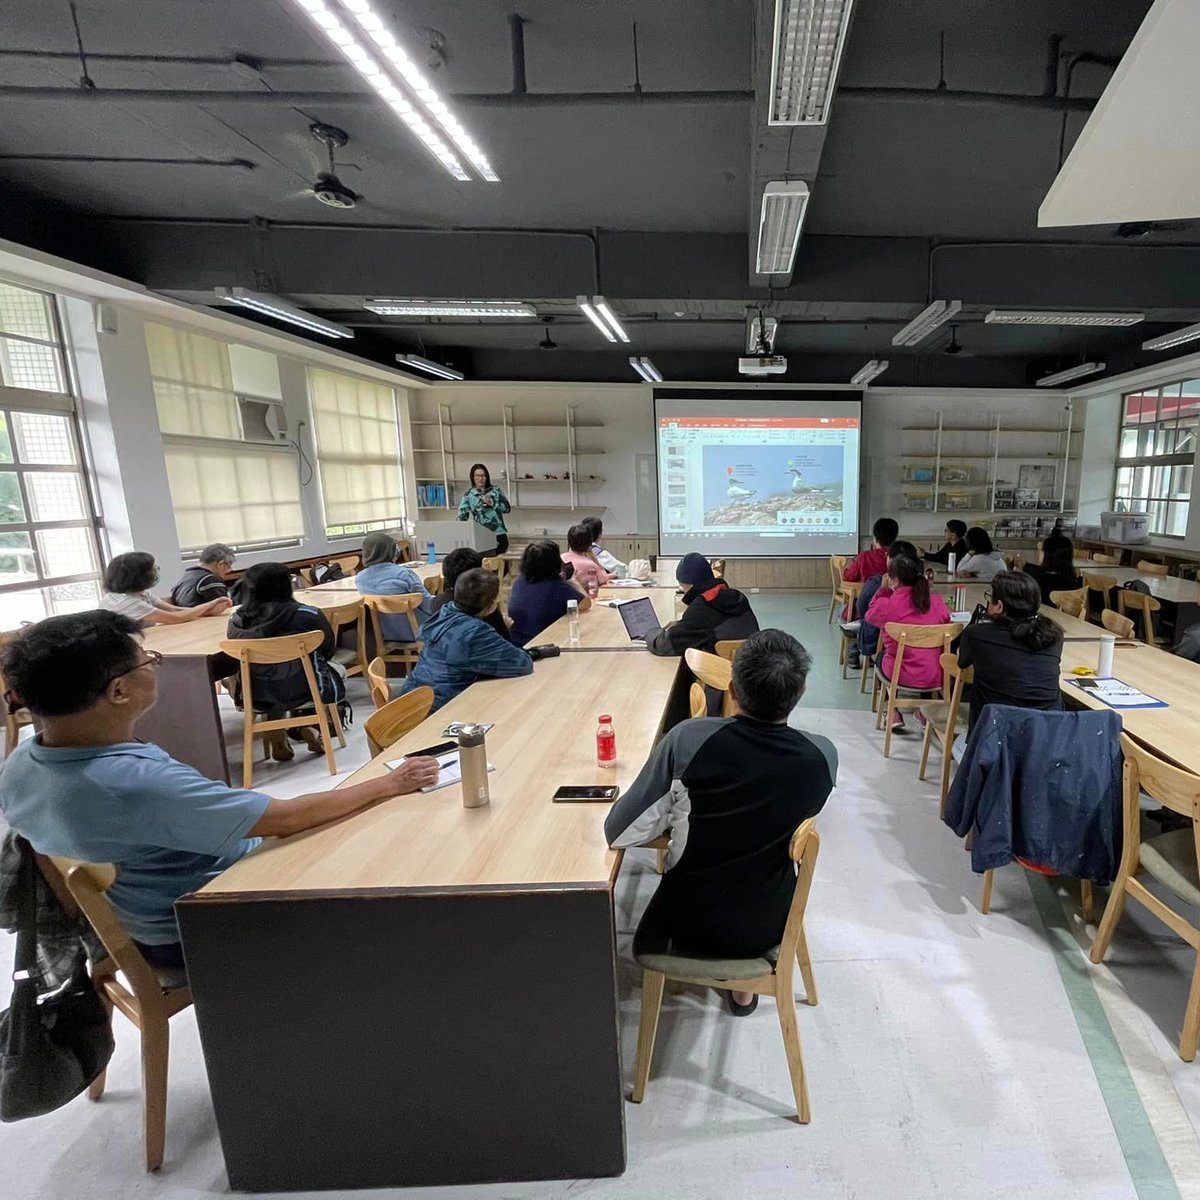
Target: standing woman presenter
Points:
(487, 504)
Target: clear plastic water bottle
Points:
(593, 588)
(951, 562)
(430, 553)
(573, 622)
(606, 743)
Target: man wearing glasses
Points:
(84, 787)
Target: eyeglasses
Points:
(153, 659)
(987, 595)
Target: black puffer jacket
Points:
(278, 687)
(720, 614)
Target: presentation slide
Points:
(758, 478)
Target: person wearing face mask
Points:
(128, 579)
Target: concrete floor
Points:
(951, 1055)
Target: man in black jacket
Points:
(206, 580)
(714, 612)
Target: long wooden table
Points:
(425, 994)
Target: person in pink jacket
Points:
(588, 571)
(905, 598)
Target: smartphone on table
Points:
(596, 792)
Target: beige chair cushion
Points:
(347, 656)
(1171, 859)
(732, 969)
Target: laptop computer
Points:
(641, 621)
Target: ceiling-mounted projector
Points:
(763, 364)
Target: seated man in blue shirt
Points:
(86, 788)
(459, 644)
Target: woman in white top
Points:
(983, 560)
(128, 579)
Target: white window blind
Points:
(358, 452)
(223, 489)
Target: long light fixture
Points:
(282, 310)
(926, 321)
(869, 371)
(784, 204)
(1070, 373)
(437, 369)
(807, 51)
(1038, 316)
(1189, 333)
(450, 308)
(380, 64)
(596, 309)
(646, 369)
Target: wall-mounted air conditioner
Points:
(262, 420)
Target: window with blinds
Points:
(223, 488)
(358, 453)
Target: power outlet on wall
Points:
(753, 591)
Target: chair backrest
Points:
(391, 722)
(381, 693)
(87, 883)
(803, 848)
(718, 567)
(290, 647)
(349, 613)
(954, 680)
(837, 564)
(1104, 584)
(728, 649)
(1074, 604)
(306, 574)
(348, 563)
(920, 637)
(1127, 598)
(1171, 786)
(697, 701)
(1151, 568)
(1115, 623)
(405, 603)
(495, 563)
(1105, 560)
(434, 585)
(714, 672)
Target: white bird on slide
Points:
(800, 488)
(738, 490)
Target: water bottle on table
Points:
(430, 553)
(1104, 662)
(573, 622)
(472, 762)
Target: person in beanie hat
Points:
(713, 612)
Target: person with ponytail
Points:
(1016, 652)
(905, 597)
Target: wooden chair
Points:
(1169, 858)
(1106, 560)
(306, 576)
(889, 693)
(294, 647)
(1142, 604)
(771, 975)
(406, 605)
(495, 563)
(353, 612)
(718, 567)
(1151, 568)
(942, 723)
(1104, 584)
(729, 648)
(1115, 623)
(15, 719)
(390, 723)
(377, 677)
(142, 995)
(714, 672)
(434, 585)
(348, 563)
(837, 564)
(697, 701)
(1074, 604)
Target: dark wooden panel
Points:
(186, 722)
(411, 1039)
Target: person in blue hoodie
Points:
(382, 574)
(460, 647)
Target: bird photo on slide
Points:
(799, 487)
(736, 490)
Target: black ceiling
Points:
(187, 167)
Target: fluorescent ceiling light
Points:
(1037, 316)
(450, 308)
(1189, 333)
(646, 369)
(596, 309)
(783, 207)
(807, 51)
(869, 371)
(417, 363)
(380, 63)
(281, 310)
(926, 321)
(1070, 373)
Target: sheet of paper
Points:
(1117, 694)
(449, 770)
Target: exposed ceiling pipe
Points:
(181, 60)
(517, 26)
(542, 99)
(240, 164)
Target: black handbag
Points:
(53, 1050)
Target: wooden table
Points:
(425, 994)
(601, 627)
(423, 570)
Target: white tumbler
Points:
(1104, 662)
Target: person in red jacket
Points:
(873, 562)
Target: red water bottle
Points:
(606, 743)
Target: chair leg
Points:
(844, 655)
(156, 1040)
(337, 725)
(1086, 900)
(1108, 922)
(1191, 1018)
(248, 751)
(868, 665)
(326, 738)
(804, 962)
(926, 741)
(786, 1007)
(96, 1087)
(947, 767)
(985, 905)
(832, 608)
(652, 990)
(887, 720)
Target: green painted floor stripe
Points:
(1152, 1178)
